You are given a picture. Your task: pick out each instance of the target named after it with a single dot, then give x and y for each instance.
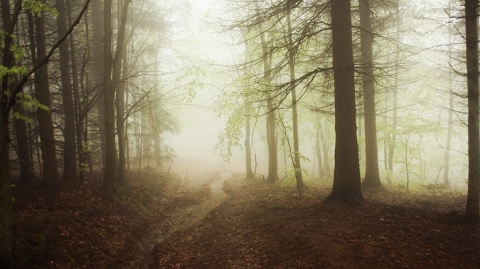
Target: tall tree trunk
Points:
(46, 130)
(6, 204)
(446, 158)
(346, 181)
(23, 150)
(119, 62)
(318, 151)
(109, 100)
(271, 118)
(393, 136)
(248, 142)
(69, 150)
(326, 149)
(296, 144)
(471, 24)
(272, 143)
(77, 101)
(98, 69)
(372, 176)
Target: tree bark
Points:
(22, 146)
(109, 100)
(69, 150)
(318, 150)
(119, 62)
(78, 103)
(46, 130)
(296, 144)
(372, 176)
(6, 204)
(247, 142)
(271, 118)
(98, 69)
(346, 181)
(471, 24)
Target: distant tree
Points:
(346, 181)
(248, 138)
(471, 26)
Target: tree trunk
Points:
(46, 130)
(393, 138)
(471, 24)
(7, 230)
(6, 204)
(446, 158)
(247, 143)
(296, 145)
(109, 101)
(318, 151)
(372, 177)
(326, 149)
(23, 150)
(272, 143)
(98, 69)
(78, 104)
(120, 61)
(69, 150)
(346, 181)
(271, 119)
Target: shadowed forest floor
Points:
(157, 221)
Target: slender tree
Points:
(471, 25)
(291, 64)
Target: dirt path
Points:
(267, 226)
(192, 215)
(184, 218)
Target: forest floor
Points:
(158, 220)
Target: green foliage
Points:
(38, 7)
(28, 101)
(191, 76)
(231, 135)
(289, 177)
(11, 72)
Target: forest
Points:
(239, 134)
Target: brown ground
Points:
(160, 222)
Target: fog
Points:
(206, 46)
(200, 126)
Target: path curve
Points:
(182, 220)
